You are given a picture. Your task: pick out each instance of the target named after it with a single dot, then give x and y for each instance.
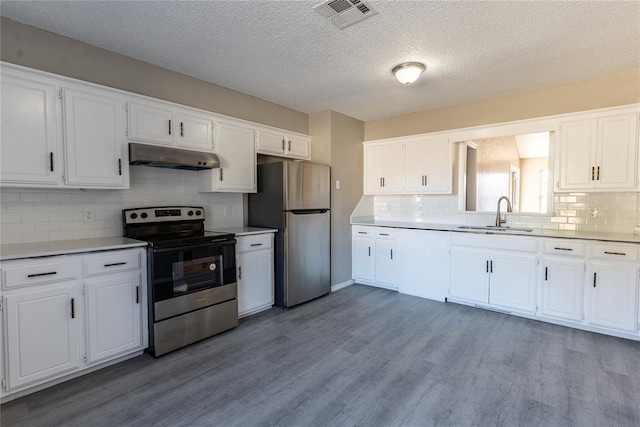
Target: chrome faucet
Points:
(499, 221)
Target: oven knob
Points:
(190, 213)
(134, 215)
(144, 215)
(198, 212)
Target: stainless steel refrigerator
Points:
(294, 197)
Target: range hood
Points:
(171, 158)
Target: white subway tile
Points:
(10, 218)
(35, 237)
(10, 238)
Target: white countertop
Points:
(245, 231)
(63, 247)
(584, 235)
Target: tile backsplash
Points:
(38, 215)
(603, 212)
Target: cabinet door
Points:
(194, 132)
(423, 263)
(42, 334)
(616, 157)
(151, 124)
(385, 262)
(578, 155)
(363, 258)
(114, 316)
(94, 139)
(29, 144)
(512, 282)
(235, 145)
(383, 169)
(270, 142)
(561, 285)
(298, 147)
(428, 166)
(255, 281)
(469, 275)
(614, 296)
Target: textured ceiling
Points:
(285, 52)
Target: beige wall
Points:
(320, 129)
(337, 141)
(608, 91)
(32, 47)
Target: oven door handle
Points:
(191, 247)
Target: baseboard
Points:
(342, 285)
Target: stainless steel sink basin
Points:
(494, 228)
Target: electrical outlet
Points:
(89, 214)
(227, 210)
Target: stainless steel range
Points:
(191, 275)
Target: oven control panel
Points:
(163, 214)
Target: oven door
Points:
(180, 271)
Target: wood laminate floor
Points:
(361, 356)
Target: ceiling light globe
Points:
(408, 72)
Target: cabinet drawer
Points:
(563, 247)
(111, 263)
(359, 231)
(39, 272)
(385, 233)
(614, 252)
(254, 242)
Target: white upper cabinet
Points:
(95, 140)
(151, 124)
(276, 143)
(428, 166)
(162, 124)
(420, 165)
(383, 168)
(236, 147)
(29, 143)
(599, 154)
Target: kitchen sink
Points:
(495, 228)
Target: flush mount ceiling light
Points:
(408, 72)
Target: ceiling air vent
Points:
(343, 13)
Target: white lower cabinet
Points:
(613, 294)
(114, 316)
(498, 271)
(54, 327)
(41, 333)
(423, 263)
(561, 285)
(255, 273)
(374, 256)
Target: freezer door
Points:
(306, 185)
(307, 260)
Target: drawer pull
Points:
(615, 253)
(256, 244)
(115, 264)
(362, 232)
(563, 249)
(384, 234)
(51, 273)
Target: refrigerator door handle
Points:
(308, 211)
